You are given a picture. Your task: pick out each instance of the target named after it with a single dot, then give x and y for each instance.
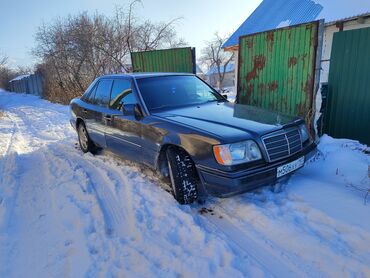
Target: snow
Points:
(284, 23)
(230, 92)
(20, 77)
(65, 213)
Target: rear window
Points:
(175, 91)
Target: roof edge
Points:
(346, 19)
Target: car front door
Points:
(96, 111)
(123, 129)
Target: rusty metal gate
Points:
(348, 104)
(165, 60)
(277, 69)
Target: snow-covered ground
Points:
(68, 214)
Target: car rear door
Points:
(86, 111)
(123, 130)
(96, 111)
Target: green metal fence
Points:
(277, 69)
(166, 60)
(348, 105)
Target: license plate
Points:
(290, 167)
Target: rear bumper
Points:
(225, 184)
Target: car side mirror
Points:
(132, 110)
(225, 96)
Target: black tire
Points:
(84, 140)
(183, 176)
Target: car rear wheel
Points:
(183, 176)
(86, 144)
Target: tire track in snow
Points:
(122, 182)
(121, 230)
(66, 173)
(9, 171)
(26, 204)
(275, 265)
(231, 231)
(114, 216)
(9, 143)
(304, 239)
(49, 132)
(5, 166)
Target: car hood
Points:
(228, 119)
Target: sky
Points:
(20, 19)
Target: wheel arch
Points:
(79, 121)
(161, 161)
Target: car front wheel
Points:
(86, 144)
(183, 176)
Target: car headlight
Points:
(304, 133)
(237, 153)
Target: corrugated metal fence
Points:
(30, 84)
(165, 60)
(277, 69)
(348, 105)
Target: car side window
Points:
(122, 93)
(91, 95)
(102, 92)
(88, 91)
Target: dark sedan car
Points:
(180, 126)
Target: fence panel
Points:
(348, 103)
(30, 84)
(166, 60)
(277, 69)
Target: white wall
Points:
(236, 52)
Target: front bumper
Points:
(224, 184)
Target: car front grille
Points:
(282, 144)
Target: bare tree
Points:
(3, 60)
(6, 74)
(213, 56)
(77, 49)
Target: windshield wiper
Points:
(213, 100)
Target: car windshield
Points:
(175, 91)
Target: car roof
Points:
(139, 75)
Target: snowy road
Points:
(68, 214)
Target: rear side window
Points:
(102, 92)
(91, 95)
(122, 93)
(88, 91)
